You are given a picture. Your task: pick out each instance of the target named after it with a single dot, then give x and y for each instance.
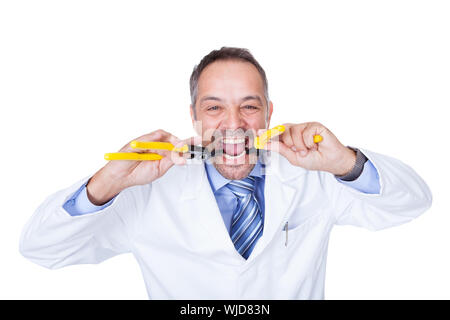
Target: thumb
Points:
(259, 132)
(177, 157)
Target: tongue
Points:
(233, 149)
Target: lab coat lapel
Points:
(204, 209)
(278, 195)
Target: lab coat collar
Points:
(270, 163)
(217, 181)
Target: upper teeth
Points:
(234, 140)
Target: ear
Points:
(197, 125)
(269, 115)
(191, 111)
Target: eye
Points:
(250, 107)
(213, 108)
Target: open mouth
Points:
(235, 147)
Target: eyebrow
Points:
(242, 100)
(252, 98)
(210, 98)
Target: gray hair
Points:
(225, 53)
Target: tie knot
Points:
(241, 188)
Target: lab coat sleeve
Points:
(403, 195)
(53, 238)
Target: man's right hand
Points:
(118, 175)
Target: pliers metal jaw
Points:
(202, 153)
(197, 152)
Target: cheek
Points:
(205, 124)
(209, 128)
(257, 121)
(209, 121)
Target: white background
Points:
(81, 78)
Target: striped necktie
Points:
(246, 223)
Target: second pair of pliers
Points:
(190, 151)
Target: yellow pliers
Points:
(195, 151)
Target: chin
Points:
(235, 169)
(234, 172)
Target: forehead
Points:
(230, 79)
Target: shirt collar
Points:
(217, 181)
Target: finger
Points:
(156, 135)
(175, 141)
(152, 136)
(282, 149)
(179, 158)
(176, 157)
(165, 164)
(286, 136)
(256, 134)
(297, 138)
(160, 136)
(309, 133)
(168, 137)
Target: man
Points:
(238, 225)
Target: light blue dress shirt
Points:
(367, 182)
(226, 200)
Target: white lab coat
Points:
(174, 229)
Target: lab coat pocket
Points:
(294, 254)
(301, 247)
(294, 259)
(297, 255)
(293, 232)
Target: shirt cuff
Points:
(80, 204)
(367, 182)
(357, 168)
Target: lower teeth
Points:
(234, 157)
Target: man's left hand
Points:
(297, 145)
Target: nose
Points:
(233, 119)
